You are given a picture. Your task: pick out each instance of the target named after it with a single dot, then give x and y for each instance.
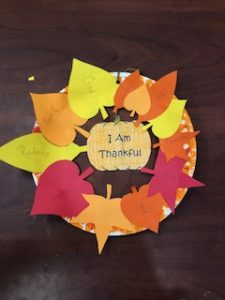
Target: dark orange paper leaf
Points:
(161, 94)
(173, 146)
(142, 210)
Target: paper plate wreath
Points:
(49, 151)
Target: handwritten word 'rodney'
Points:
(31, 152)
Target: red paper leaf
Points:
(60, 189)
(168, 177)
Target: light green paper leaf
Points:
(90, 89)
(33, 153)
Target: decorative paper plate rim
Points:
(189, 169)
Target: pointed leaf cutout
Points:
(56, 119)
(173, 146)
(60, 189)
(161, 94)
(104, 213)
(167, 123)
(129, 84)
(90, 89)
(33, 153)
(168, 177)
(142, 210)
(138, 101)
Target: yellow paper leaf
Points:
(90, 89)
(168, 122)
(31, 78)
(33, 153)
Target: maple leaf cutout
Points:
(168, 177)
(104, 213)
(173, 146)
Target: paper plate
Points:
(189, 167)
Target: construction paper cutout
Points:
(129, 84)
(173, 146)
(90, 89)
(56, 119)
(168, 177)
(138, 101)
(60, 189)
(167, 123)
(161, 94)
(31, 78)
(142, 210)
(118, 146)
(33, 153)
(104, 213)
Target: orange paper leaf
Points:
(142, 210)
(56, 119)
(104, 213)
(173, 146)
(161, 94)
(138, 101)
(132, 82)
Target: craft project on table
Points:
(50, 152)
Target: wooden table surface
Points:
(44, 257)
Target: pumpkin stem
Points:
(109, 191)
(82, 131)
(117, 119)
(103, 112)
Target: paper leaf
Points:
(138, 101)
(129, 84)
(33, 153)
(31, 78)
(168, 177)
(173, 146)
(104, 213)
(142, 210)
(56, 119)
(161, 94)
(167, 123)
(90, 89)
(60, 189)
